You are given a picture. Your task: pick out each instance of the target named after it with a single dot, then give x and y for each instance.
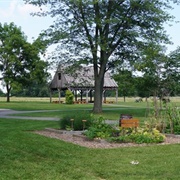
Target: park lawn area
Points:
(25, 155)
(36, 105)
(110, 111)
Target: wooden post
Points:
(103, 99)
(116, 95)
(59, 92)
(50, 94)
(87, 96)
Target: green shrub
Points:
(66, 123)
(69, 97)
(139, 136)
(120, 139)
(146, 136)
(99, 129)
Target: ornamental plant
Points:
(66, 121)
(139, 136)
(69, 97)
(99, 129)
(143, 135)
(172, 115)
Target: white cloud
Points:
(26, 9)
(18, 12)
(8, 12)
(14, 8)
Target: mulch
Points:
(81, 140)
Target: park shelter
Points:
(80, 80)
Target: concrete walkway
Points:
(8, 113)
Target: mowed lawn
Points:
(26, 155)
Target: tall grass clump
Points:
(75, 120)
(166, 119)
(172, 114)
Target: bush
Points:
(66, 123)
(69, 97)
(99, 129)
(139, 136)
(146, 136)
(120, 139)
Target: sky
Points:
(18, 12)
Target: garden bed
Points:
(76, 137)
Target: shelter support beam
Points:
(116, 95)
(87, 92)
(50, 93)
(59, 94)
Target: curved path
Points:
(8, 113)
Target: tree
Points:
(2, 94)
(125, 81)
(35, 90)
(19, 60)
(104, 31)
(171, 75)
(143, 86)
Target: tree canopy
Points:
(125, 81)
(102, 32)
(172, 72)
(20, 61)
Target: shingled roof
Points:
(80, 79)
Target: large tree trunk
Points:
(99, 82)
(8, 89)
(124, 98)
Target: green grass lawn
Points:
(25, 155)
(110, 111)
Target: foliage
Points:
(99, 129)
(172, 74)
(120, 139)
(69, 97)
(139, 136)
(77, 124)
(142, 86)
(146, 136)
(102, 130)
(156, 117)
(151, 66)
(2, 94)
(20, 62)
(35, 90)
(125, 81)
(172, 115)
(103, 33)
(166, 120)
(160, 71)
